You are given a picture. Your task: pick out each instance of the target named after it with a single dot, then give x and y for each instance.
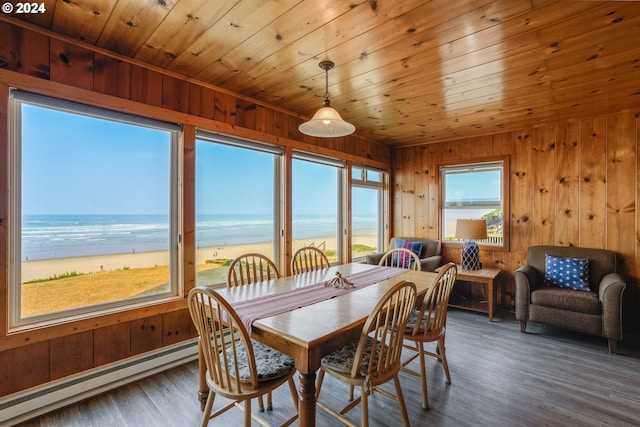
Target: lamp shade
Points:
(471, 229)
(327, 123)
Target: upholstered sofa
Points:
(430, 257)
(597, 310)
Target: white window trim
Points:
(233, 141)
(278, 152)
(16, 322)
(340, 166)
(377, 185)
(500, 164)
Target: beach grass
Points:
(64, 275)
(357, 247)
(67, 291)
(73, 289)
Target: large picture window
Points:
(316, 212)
(235, 203)
(475, 191)
(94, 210)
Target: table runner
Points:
(270, 305)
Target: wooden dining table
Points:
(311, 332)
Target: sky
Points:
(245, 183)
(474, 186)
(74, 164)
(79, 165)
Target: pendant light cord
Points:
(326, 87)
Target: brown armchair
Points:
(430, 257)
(597, 312)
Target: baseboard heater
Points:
(39, 400)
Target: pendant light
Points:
(326, 122)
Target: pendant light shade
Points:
(326, 122)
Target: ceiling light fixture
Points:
(326, 122)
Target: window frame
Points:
(204, 135)
(18, 323)
(380, 186)
(340, 166)
(505, 192)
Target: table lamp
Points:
(471, 230)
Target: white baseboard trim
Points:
(36, 401)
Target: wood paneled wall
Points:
(39, 62)
(572, 183)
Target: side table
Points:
(486, 276)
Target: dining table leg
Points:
(307, 400)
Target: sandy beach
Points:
(42, 269)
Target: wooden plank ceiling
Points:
(407, 71)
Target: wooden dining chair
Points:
(245, 270)
(401, 258)
(308, 258)
(251, 268)
(375, 358)
(427, 323)
(238, 368)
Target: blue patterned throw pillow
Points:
(415, 247)
(570, 273)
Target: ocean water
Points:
(61, 236)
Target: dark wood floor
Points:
(500, 377)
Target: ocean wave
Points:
(80, 235)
